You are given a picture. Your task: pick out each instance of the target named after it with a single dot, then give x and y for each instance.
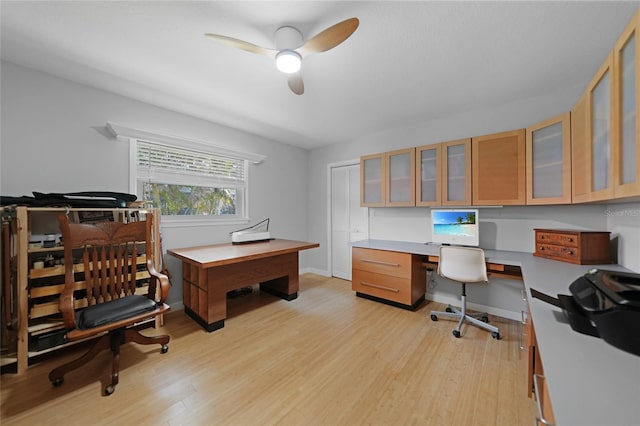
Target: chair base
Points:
(462, 316)
(112, 340)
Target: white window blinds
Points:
(168, 164)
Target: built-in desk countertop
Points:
(590, 382)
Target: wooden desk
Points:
(209, 272)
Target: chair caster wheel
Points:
(57, 383)
(164, 349)
(109, 390)
(456, 333)
(434, 318)
(485, 318)
(496, 335)
(448, 309)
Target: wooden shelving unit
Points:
(37, 289)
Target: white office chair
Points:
(465, 265)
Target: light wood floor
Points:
(326, 358)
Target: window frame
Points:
(132, 136)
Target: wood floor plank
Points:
(326, 358)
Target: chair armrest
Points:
(157, 277)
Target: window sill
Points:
(181, 222)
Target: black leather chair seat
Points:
(114, 310)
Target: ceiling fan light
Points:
(288, 61)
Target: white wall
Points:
(508, 228)
(53, 139)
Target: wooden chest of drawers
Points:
(389, 277)
(573, 246)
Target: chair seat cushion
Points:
(114, 310)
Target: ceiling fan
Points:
(290, 48)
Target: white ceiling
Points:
(408, 61)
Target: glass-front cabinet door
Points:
(456, 173)
(401, 181)
(372, 180)
(548, 159)
(626, 164)
(599, 132)
(428, 173)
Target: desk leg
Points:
(286, 286)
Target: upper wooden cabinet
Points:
(580, 152)
(388, 179)
(599, 119)
(456, 173)
(429, 175)
(625, 129)
(401, 178)
(548, 159)
(372, 180)
(498, 166)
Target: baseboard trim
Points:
(450, 300)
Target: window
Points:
(185, 182)
(190, 181)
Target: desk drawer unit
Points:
(579, 247)
(389, 277)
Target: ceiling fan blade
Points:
(330, 38)
(295, 83)
(244, 45)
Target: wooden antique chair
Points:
(109, 252)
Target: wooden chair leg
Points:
(132, 335)
(115, 341)
(56, 376)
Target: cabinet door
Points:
(428, 175)
(599, 110)
(626, 134)
(548, 158)
(372, 180)
(580, 153)
(499, 168)
(456, 173)
(401, 178)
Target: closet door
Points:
(349, 221)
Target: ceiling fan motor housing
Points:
(288, 38)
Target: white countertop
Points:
(590, 382)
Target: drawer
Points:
(568, 253)
(382, 286)
(569, 240)
(390, 263)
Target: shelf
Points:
(78, 267)
(45, 249)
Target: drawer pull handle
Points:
(540, 419)
(381, 287)
(378, 262)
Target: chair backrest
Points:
(462, 264)
(110, 253)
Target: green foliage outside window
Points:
(174, 199)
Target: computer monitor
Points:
(455, 227)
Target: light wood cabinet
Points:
(372, 180)
(400, 188)
(548, 160)
(536, 382)
(39, 275)
(580, 152)
(390, 277)
(429, 175)
(388, 179)
(626, 99)
(456, 173)
(599, 137)
(498, 168)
